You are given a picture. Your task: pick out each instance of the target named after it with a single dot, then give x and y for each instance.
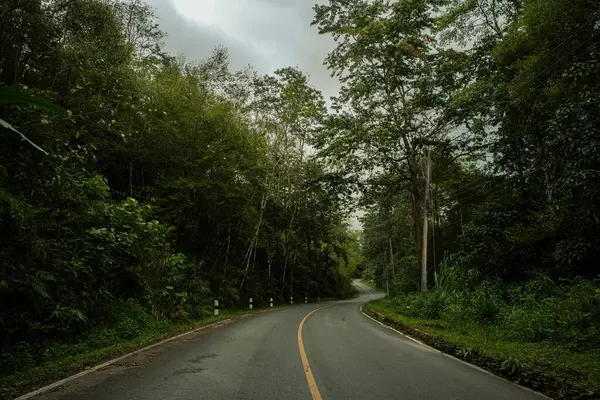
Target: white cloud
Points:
(267, 34)
(201, 11)
(227, 18)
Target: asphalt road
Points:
(258, 357)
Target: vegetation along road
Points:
(350, 357)
(161, 156)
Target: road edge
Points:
(56, 385)
(485, 371)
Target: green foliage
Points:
(513, 223)
(12, 95)
(535, 311)
(562, 314)
(561, 370)
(168, 184)
(506, 95)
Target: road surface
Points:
(259, 357)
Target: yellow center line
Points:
(312, 385)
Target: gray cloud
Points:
(267, 34)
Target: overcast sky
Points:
(266, 34)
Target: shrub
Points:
(534, 311)
(408, 275)
(486, 303)
(570, 315)
(454, 276)
(429, 305)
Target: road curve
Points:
(258, 357)
(353, 357)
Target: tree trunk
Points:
(416, 216)
(393, 269)
(254, 241)
(292, 267)
(286, 248)
(252, 246)
(131, 180)
(425, 225)
(271, 253)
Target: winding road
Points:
(309, 351)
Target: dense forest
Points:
(504, 99)
(139, 187)
(472, 130)
(136, 185)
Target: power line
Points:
(528, 173)
(545, 69)
(547, 52)
(556, 62)
(461, 190)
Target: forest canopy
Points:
(137, 187)
(132, 179)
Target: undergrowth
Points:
(32, 364)
(540, 326)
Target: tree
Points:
(532, 95)
(162, 185)
(390, 105)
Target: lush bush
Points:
(429, 305)
(125, 320)
(146, 183)
(569, 314)
(407, 276)
(537, 310)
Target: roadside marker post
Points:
(305, 299)
(251, 303)
(291, 300)
(271, 301)
(216, 308)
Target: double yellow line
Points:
(312, 385)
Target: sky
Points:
(266, 34)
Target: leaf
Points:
(12, 95)
(23, 137)
(45, 276)
(78, 315)
(40, 288)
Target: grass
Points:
(23, 381)
(83, 356)
(557, 371)
(70, 358)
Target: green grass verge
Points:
(557, 371)
(61, 367)
(72, 358)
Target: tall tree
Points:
(390, 104)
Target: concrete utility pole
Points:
(425, 225)
(392, 259)
(387, 274)
(387, 286)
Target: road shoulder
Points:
(541, 382)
